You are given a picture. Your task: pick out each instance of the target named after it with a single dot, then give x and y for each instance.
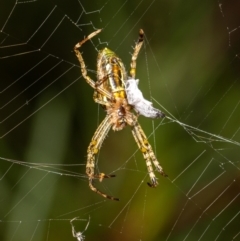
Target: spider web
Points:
(188, 68)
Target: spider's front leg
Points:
(85, 75)
(93, 148)
(136, 51)
(148, 154)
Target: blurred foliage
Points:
(186, 64)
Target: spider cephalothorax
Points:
(120, 114)
(118, 94)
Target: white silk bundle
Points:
(136, 99)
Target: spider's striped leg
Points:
(93, 148)
(83, 66)
(135, 54)
(148, 153)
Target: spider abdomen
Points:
(111, 72)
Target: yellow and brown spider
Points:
(113, 90)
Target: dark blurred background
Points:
(189, 65)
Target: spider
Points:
(113, 90)
(79, 235)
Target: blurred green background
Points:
(189, 65)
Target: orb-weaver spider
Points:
(113, 90)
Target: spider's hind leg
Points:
(93, 188)
(93, 148)
(148, 154)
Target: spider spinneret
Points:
(118, 94)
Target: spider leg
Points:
(83, 66)
(135, 54)
(93, 148)
(148, 153)
(74, 233)
(87, 224)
